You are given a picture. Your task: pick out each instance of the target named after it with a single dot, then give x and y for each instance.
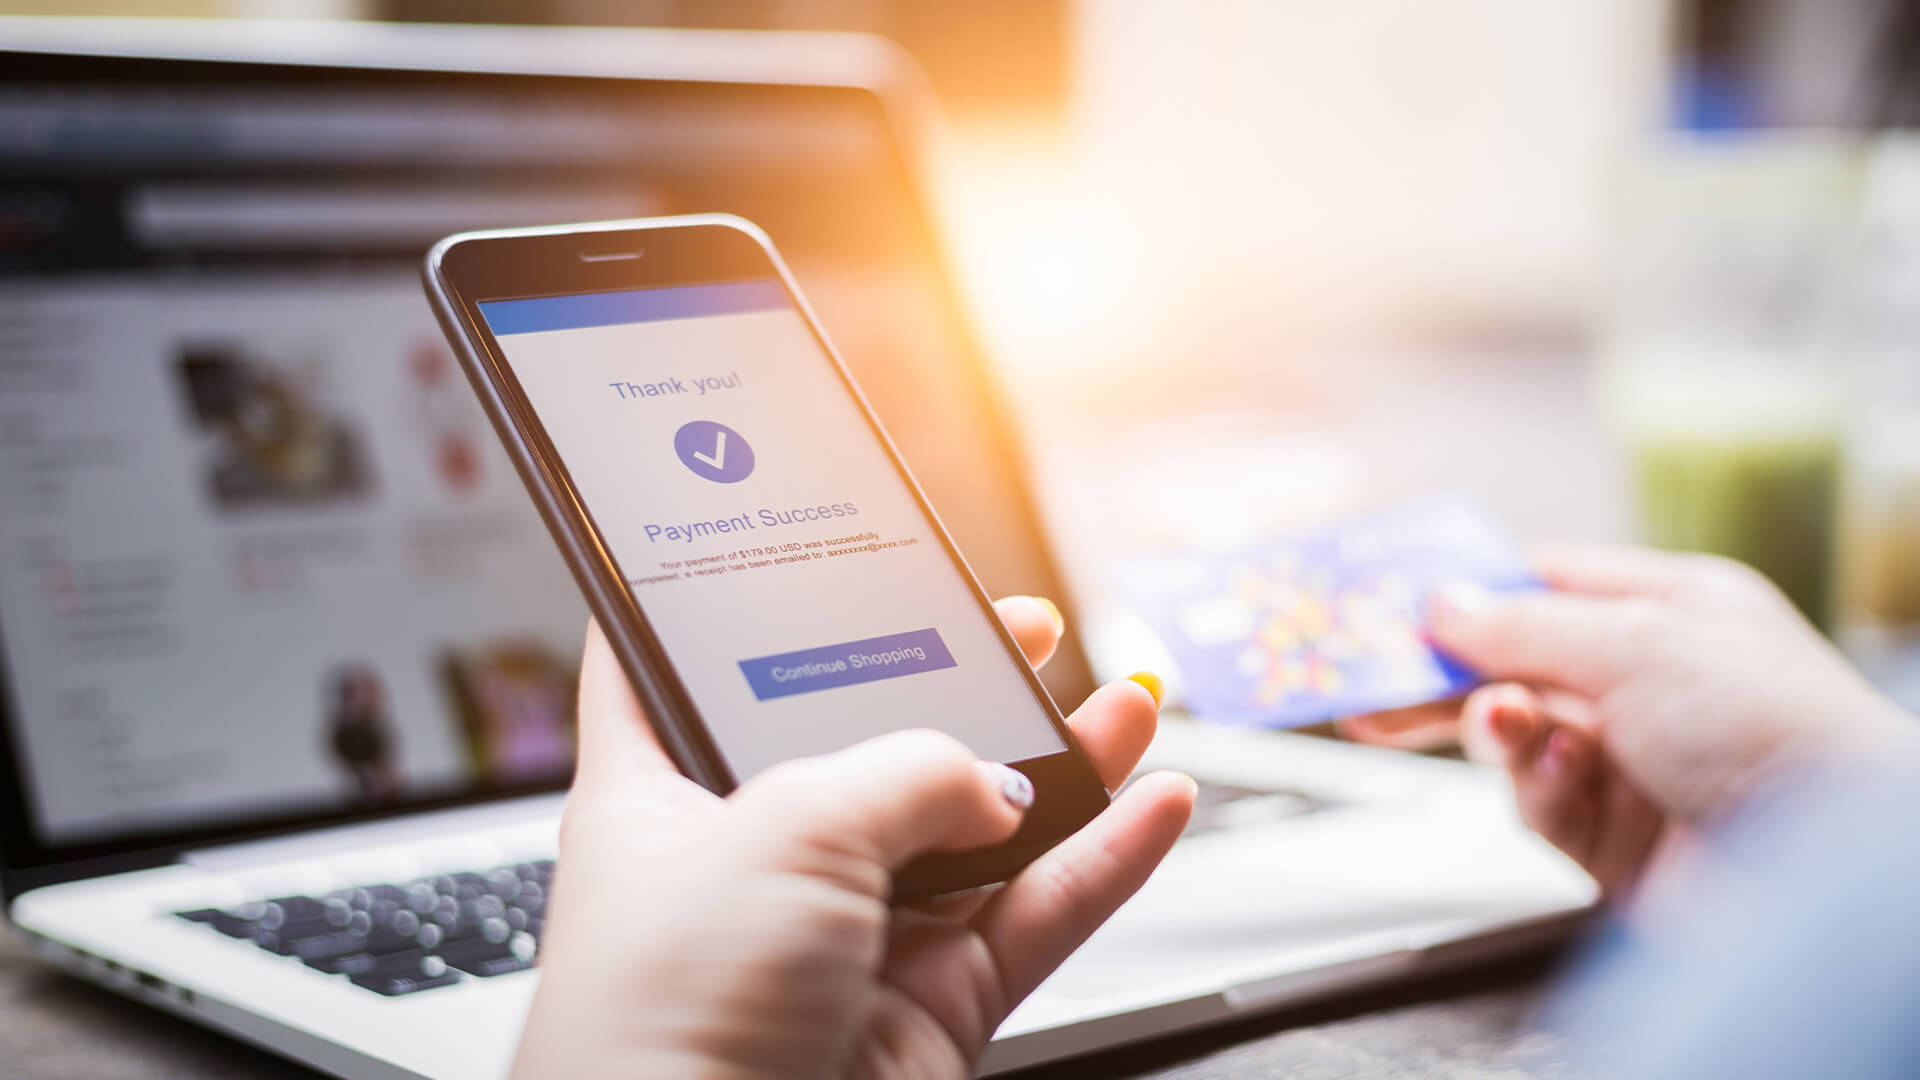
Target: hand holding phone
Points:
(769, 576)
(686, 928)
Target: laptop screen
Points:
(261, 560)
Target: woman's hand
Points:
(1648, 692)
(752, 936)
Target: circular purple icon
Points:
(713, 451)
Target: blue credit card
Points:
(1307, 628)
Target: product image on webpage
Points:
(799, 589)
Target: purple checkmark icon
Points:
(713, 451)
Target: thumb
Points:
(1585, 644)
(886, 800)
(615, 739)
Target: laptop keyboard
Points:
(398, 939)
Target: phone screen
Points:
(798, 587)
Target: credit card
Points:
(1312, 627)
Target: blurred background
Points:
(1614, 268)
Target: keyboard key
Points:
(396, 985)
(337, 958)
(367, 895)
(290, 909)
(281, 940)
(503, 883)
(404, 974)
(488, 967)
(337, 913)
(322, 946)
(406, 961)
(462, 886)
(425, 963)
(446, 911)
(346, 963)
(238, 922)
(460, 929)
(487, 958)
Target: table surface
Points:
(1470, 1025)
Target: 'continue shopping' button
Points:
(827, 666)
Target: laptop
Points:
(286, 657)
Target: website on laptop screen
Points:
(268, 512)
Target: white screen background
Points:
(812, 446)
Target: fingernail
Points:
(1558, 754)
(1464, 598)
(1053, 609)
(1153, 684)
(1014, 785)
(1509, 724)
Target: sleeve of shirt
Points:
(1796, 954)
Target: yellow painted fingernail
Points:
(1053, 609)
(1153, 684)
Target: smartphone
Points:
(769, 574)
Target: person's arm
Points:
(751, 936)
(1796, 951)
